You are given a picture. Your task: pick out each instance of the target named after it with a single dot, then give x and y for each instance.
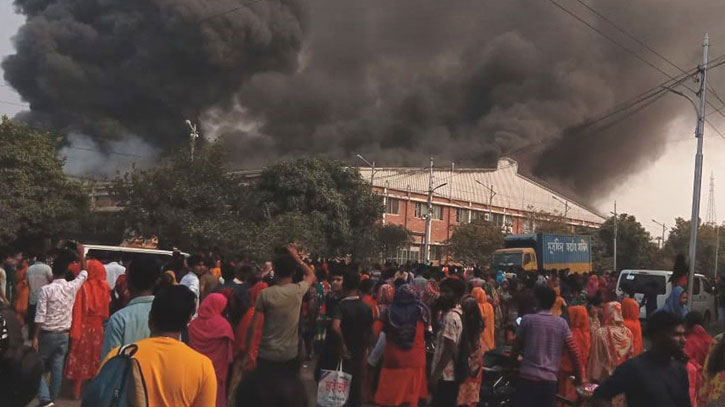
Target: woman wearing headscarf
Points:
(559, 303)
(403, 377)
(86, 332)
(243, 352)
(592, 287)
(22, 291)
(211, 335)
(579, 326)
(486, 309)
(697, 346)
(612, 345)
(386, 292)
(630, 313)
(472, 344)
(676, 302)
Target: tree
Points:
(38, 200)
(333, 194)
(634, 246)
(392, 238)
(473, 243)
(678, 243)
(193, 205)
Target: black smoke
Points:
(396, 80)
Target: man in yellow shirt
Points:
(175, 374)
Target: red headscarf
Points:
(630, 312)
(698, 344)
(93, 299)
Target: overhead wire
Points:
(629, 50)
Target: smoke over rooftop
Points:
(464, 80)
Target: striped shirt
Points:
(544, 336)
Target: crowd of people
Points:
(210, 332)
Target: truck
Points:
(541, 251)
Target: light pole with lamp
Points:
(664, 227)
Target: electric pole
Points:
(616, 220)
(699, 133)
(664, 227)
(192, 137)
(372, 168)
(429, 214)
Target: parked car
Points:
(703, 294)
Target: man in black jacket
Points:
(657, 377)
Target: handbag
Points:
(333, 389)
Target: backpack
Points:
(120, 382)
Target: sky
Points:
(662, 191)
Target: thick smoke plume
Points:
(464, 80)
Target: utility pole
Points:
(429, 214)
(717, 247)
(566, 205)
(491, 194)
(192, 137)
(664, 227)
(616, 221)
(372, 168)
(699, 133)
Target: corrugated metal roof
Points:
(513, 191)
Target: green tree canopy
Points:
(634, 246)
(392, 238)
(192, 205)
(473, 243)
(333, 194)
(38, 200)
(678, 243)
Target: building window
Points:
(392, 206)
(421, 209)
(436, 252)
(463, 215)
(476, 215)
(498, 219)
(528, 226)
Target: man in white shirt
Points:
(53, 317)
(113, 270)
(191, 279)
(39, 274)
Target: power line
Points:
(105, 152)
(630, 51)
(650, 49)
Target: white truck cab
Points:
(703, 295)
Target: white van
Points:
(703, 296)
(129, 253)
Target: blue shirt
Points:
(128, 325)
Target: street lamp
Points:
(566, 205)
(663, 232)
(491, 194)
(372, 167)
(192, 136)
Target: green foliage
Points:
(200, 205)
(472, 243)
(334, 195)
(392, 238)
(634, 246)
(192, 205)
(38, 200)
(678, 243)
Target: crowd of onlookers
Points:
(210, 332)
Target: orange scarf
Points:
(93, 299)
(487, 313)
(630, 312)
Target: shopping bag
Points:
(334, 387)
